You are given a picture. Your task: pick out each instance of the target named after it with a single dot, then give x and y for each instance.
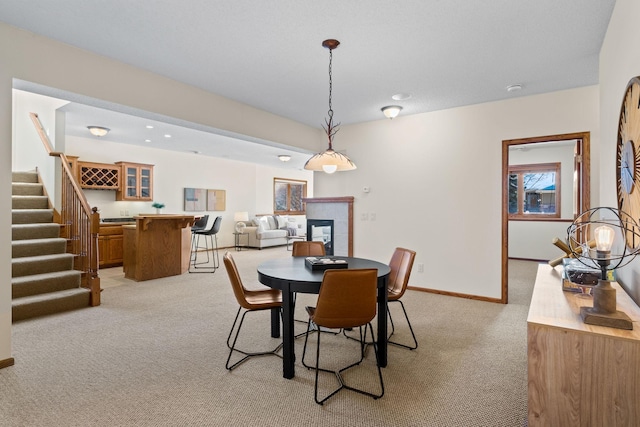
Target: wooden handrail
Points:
(81, 223)
(41, 132)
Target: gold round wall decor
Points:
(628, 159)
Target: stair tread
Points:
(40, 258)
(39, 276)
(36, 225)
(32, 210)
(31, 231)
(29, 184)
(49, 296)
(21, 176)
(37, 241)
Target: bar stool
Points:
(210, 235)
(200, 224)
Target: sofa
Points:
(272, 230)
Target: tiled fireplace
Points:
(339, 210)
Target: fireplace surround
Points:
(340, 210)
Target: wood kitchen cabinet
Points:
(98, 176)
(136, 182)
(110, 245)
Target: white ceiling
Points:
(268, 54)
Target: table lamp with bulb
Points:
(603, 312)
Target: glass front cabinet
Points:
(136, 182)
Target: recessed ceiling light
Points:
(514, 88)
(401, 96)
(147, 140)
(197, 152)
(284, 157)
(166, 135)
(149, 127)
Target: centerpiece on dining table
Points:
(324, 263)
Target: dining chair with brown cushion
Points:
(306, 248)
(401, 265)
(347, 299)
(250, 301)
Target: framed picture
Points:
(216, 200)
(195, 199)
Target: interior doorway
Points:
(579, 190)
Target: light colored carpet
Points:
(153, 354)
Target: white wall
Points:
(619, 62)
(32, 153)
(436, 186)
(532, 239)
(28, 57)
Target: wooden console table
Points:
(157, 246)
(579, 374)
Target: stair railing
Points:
(81, 223)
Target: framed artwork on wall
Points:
(216, 200)
(195, 199)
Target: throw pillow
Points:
(281, 221)
(272, 223)
(264, 224)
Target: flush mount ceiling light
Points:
(330, 161)
(391, 111)
(284, 157)
(98, 130)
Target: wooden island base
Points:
(157, 246)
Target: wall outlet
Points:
(364, 217)
(121, 213)
(420, 268)
(126, 213)
(372, 216)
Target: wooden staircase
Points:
(43, 278)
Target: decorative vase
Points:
(158, 211)
(240, 226)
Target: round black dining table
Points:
(291, 276)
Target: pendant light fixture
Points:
(330, 161)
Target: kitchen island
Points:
(157, 246)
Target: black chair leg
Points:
(338, 374)
(194, 265)
(247, 355)
(415, 341)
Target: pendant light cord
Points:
(330, 129)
